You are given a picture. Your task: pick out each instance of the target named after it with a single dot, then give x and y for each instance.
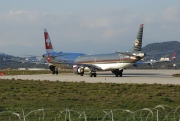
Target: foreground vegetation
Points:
(31, 95)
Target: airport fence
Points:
(158, 113)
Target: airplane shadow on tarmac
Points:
(106, 74)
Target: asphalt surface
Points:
(129, 76)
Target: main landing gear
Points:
(117, 72)
(54, 70)
(92, 74)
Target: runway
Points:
(129, 76)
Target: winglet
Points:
(48, 44)
(138, 42)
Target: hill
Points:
(163, 46)
(166, 48)
(171, 47)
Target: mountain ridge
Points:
(167, 49)
(162, 46)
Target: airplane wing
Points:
(147, 62)
(36, 62)
(158, 53)
(29, 60)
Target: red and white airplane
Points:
(58, 59)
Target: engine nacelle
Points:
(78, 70)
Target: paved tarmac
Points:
(129, 76)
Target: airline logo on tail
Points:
(48, 41)
(48, 44)
(136, 43)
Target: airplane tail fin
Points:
(173, 57)
(48, 44)
(138, 42)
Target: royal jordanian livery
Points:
(58, 59)
(114, 62)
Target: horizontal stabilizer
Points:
(133, 54)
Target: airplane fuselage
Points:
(107, 61)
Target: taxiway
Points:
(129, 76)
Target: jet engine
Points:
(78, 70)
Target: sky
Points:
(87, 26)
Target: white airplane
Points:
(58, 59)
(152, 62)
(114, 62)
